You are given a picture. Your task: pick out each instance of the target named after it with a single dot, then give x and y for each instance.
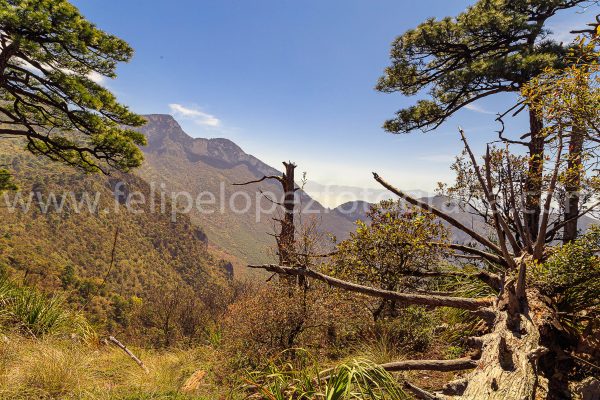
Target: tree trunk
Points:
(286, 237)
(533, 183)
(519, 354)
(573, 184)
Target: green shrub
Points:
(411, 330)
(571, 275)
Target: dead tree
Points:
(523, 355)
(287, 230)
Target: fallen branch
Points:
(458, 364)
(422, 394)
(472, 250)
(120, 345)
(492, 280)
(421, 299)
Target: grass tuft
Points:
(354, 379)
(28, 311)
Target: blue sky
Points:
(291, 79)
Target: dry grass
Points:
(61, 369)
(55, 368)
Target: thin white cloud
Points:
(198, 116)
(93, 75)
(477, 109)
(560, 30)
(96, 77)
(437, 158)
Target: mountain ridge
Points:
(359, 212)
(210, 167)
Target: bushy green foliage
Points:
(571, 275)
(494, 46)
(50, 53)
(384, 253)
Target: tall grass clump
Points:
(28, 311)
(53, 372)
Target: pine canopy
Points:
(49, 54)
(494, 46)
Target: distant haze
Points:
(333, 196)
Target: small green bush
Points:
(411, 330)
(571, 275)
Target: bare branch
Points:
(422, 394)
(139, 362)
(541, 239)
(499, 222)
(502, 125)
(326, 255)
(269, 198)
(280, 179)
(487, 243)
(478, 252)
(558, 226)
(490, 279)
(517, 218)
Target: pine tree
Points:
(49, 54)
(494, 46)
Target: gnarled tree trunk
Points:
(511, 355)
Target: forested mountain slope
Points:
(67, 243)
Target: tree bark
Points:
(533, 183)
(513, 353)
(458, 364)
(573, 184)
(287, 235)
